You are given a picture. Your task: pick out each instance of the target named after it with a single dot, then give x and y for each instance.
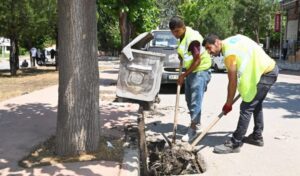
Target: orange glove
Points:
(226, 108)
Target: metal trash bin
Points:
(140, 71)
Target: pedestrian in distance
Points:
(252, 72)
(197, 63)
(33, 54)
(24, 64)
(52, 53)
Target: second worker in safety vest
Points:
(197, 63)
(252, 72)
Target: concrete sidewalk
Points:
(28, 120)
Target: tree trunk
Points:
(17, 63)
(124, 28)
(78, 123)
(56, 49)
(13, 56)
(257, 37)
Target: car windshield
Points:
(163, 39)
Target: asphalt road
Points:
(279, 156)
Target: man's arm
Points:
(195, 50)
(232, 84)
(230, 63)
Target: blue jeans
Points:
(195, 86)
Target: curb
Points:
(130, 165)
(131, 159)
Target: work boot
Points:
(191, 134)
(228, 147)
(251, 139)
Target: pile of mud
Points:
(173, 161)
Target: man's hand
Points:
(180, 80)
(227, 108)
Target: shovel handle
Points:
(176, 107)
(215, 120)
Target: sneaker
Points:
(251, 139)
(191, 134)
(227, 147)
(198, 129)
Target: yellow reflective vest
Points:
(252, 62)
(192, 35)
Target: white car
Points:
(218, 63)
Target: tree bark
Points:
(124, 28)
(78, 123)
(17, 63)
(13, 56)
(56, 51)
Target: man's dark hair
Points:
(210, 39)
(176, 22)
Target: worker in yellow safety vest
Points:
(197, 75)
(252, 72)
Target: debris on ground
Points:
(173, 161)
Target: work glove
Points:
(226, 108)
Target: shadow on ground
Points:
(286, 96)
(170, 89)
(212, 138)
(27, 72)
(24, 126)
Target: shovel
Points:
(212, 124)
(175, 160)
(176, 107)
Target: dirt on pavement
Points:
(44, 154)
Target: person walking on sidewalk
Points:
(252, 72)
(197, 63)
(33, 54)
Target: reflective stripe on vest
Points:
(252, 61)
(191, 35)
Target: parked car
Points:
(164, 42)
(218, 63)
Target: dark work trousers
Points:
(255, 107)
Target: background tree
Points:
(209, 16)
(12, 20)
(254, 17)
(134, 16)
(168, 9)
(78, 125)
(109, 36)
(26, 23)
(41, 26)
